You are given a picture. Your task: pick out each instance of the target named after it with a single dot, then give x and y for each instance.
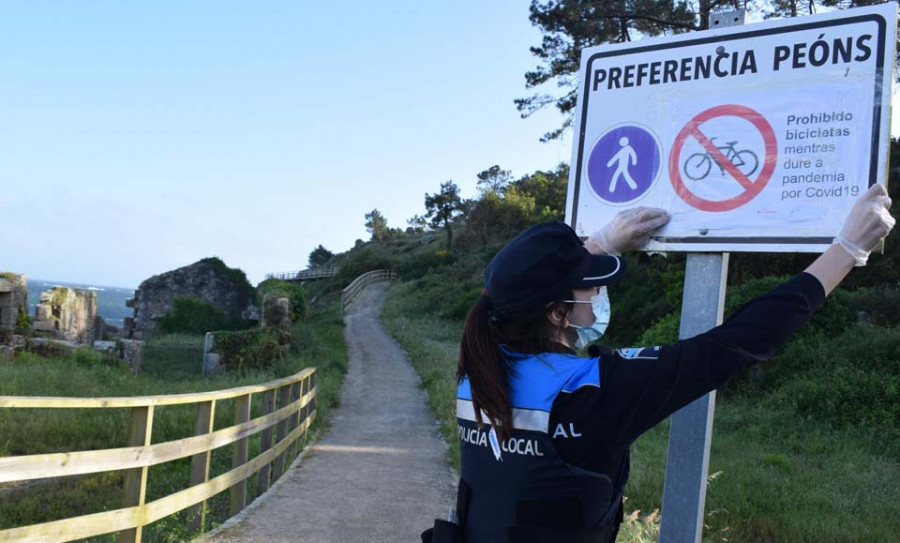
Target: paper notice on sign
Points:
(754, 138)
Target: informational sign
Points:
(754, 138)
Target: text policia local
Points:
(735, 63)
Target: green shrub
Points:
(191, 315)
(90, 358)
(259, 348)
(359, 261)
(49, 349)
(832, 318)
(494, 215)
(83, 356)
(447, 296)
(87, 357)
(738, 295)
(650, 290)
(295, 294)
(418, 265)
(745, 267)
(880, 304)
(664, 331)
(459, 308)
(851, 379)
(23, 323)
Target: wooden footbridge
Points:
(322, 272)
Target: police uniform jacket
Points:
(561, 476)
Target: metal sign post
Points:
(690, 434)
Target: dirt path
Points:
(380, 472)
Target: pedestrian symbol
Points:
(623, 159)
(623, 164)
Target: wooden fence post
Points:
(266, 442)
(206, 412)
(284, 396)
(241, 454)
(135, 487)
(293, 421)
(313, 384)
(304, 411)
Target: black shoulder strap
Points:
(448, 532)
(443, 532)
(463, 493)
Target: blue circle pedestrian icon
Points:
(623, 164)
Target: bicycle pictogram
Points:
(698, 165)
(738, 163)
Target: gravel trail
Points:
(380, 473)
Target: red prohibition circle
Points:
(751, 188)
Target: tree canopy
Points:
(442, 207)
(319, 256)
(377, 225)
(568, 26)
(493, 179)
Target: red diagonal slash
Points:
(717, 155)
(751, 188)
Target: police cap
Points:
(540, 265)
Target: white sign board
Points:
(754, 138)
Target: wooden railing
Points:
(322, 272)
(289, 408)
(362, 282)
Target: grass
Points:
(775, 476)
(432, 344)
(170, 356)
(316, 342)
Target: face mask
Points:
(600, 307)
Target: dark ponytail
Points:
(482, 362)
(488, 368)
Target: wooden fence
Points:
(361, 282)
(289, 408)
(322, 272)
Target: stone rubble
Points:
(67, 313)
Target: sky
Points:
(136, 138)
(139, 137)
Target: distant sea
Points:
(110, 300)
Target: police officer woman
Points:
(545, 433)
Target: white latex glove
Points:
(867, 224)
(629, 229)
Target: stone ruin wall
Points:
(155, 296)
(13, 300)
(276, 312)
(67, 313)
(64, 314)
